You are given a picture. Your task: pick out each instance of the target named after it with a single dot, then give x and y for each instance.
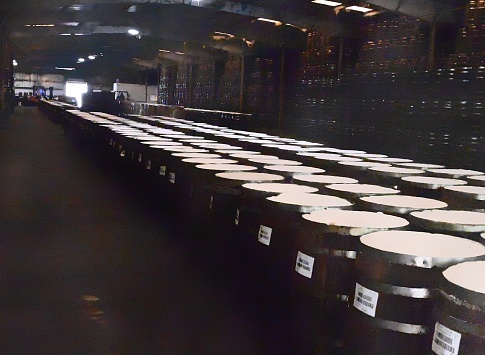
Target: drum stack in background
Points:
(346, 252)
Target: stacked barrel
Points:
(367, 254)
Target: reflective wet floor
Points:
(90, 265)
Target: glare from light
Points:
(277, 23)
(164, 51)
(15, 63)
(133, 32)
(327, 2)
(91, 57)
(78, 34)
(132, 8)
(179, 53)
(68, 69)
(41, 25)
(359, 8)
(75, 89)
(224, 34)
(65, 34)
(81, 60)
(71, 24)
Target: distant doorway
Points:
(76, 89)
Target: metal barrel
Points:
(396, 288)
(460, 311)
(465, 197)
(354, 192)
(427, 186)
(323, 268)
(320, 181)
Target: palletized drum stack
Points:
(397, 286)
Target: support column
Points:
(281, 91)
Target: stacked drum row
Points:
(368, 254)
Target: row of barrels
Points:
(378, 254)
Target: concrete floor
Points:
(90, 265)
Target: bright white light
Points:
(72, 24)
(326, 2)
(68, 69)
(163, 50)
(91, 57)
(359, 8)
(81, 60)
(65, 34)
(75, 89)
(179, 53)
(15, 63)
(224, 34)
(133, 32)
(277, 23)
(132, 8)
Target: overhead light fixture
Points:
(163, 50)
(327, 2)
(179, 53)
(14, 62)
(133, 32)
(81, 60)
(359, 8)
(68, 69)
(41, 25)
(224, 34)
(132, 8)
(71, 24)
(65, 34)
(277, 23)
(372, 13)
(91, 57)
(78, 34)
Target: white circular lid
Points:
(226, 167)
(209, 161)
(250, 156)
(452, 216)
(476, 178)
(245, 176)
(455, 172)
(322, 156)
(325, 179)
(366, 155)
(338, 158)
(423, 244)
(291, 148)
(231, 151)
(279, 188)
(362, 189)
(468, 275)
(405, 201)
(429, 180)
(220, 146)
(356, 219)
(183, 149)
(363, 164)
(274, 161)
(396, 170)
(468, 189)
(391, 160)
(196, 155)
(310, 199)
(343, 151)
(420, 165)
(294, 169)
(165, 145)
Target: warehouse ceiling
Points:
(60, 34)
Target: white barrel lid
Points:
(476, 192)
(231, 151)
(256, 159)
(363, 189)
(196, 141)
(456, 173)
(363, 164)
(251, 155)
(257, 141)
(164, 145)
(405, 201)
(286, 147)
(467, 275)
(328, 156)
(356, 219)
(226, 167)
(298, 169)
(423, 244)
(310, 199)
(325, 179)
(366, 155)
(343, 151)
(184, 149)
(191, 154)
(420, 165)
(391, 160)
(279, 188)
(392, 170)
(153, 138)
(432, 182)
(308, 144)
(250, 176)
(209, 161)
(337, 158)
(220, 146)
(455, 217)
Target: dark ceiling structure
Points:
(95, 34)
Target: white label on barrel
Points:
(139, 157)
(365, 300)
(445, 340)
(163, 170)
(264, 235)
(304, 264)
(236, 219)
(171, 178)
